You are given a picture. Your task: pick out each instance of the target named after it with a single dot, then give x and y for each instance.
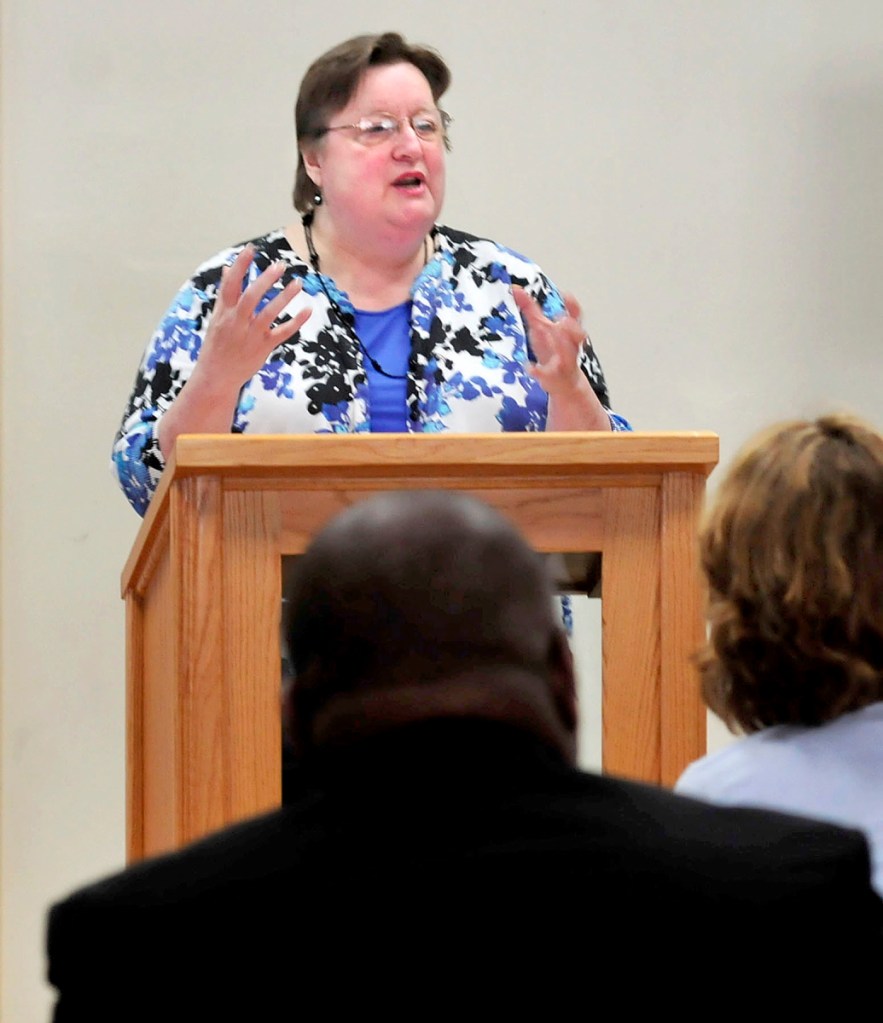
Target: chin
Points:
(421, 219)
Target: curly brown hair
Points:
(793, 552)
(332, 80)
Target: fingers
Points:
(573, 308)
(241, 332)
(528, 306)
(556, 344)
(264, 319)
(233, 276)
(539, 326)
(532, 311)
(540, 329)
(243, 301)
(235, 295)
(263, 322)
(283, 331)
(259, 287)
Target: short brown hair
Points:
(333, 78)
(793, 552)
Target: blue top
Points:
(386, 337)
(831, 771)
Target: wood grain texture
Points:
(551, 518)
(682, 625)
(252, 584)
(197, 555)
(135, 632)
(395, 456)
(204, 656)
(154, 683)
(630, 625)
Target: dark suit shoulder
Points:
(211, 911)
(259, 848)
(742, 853)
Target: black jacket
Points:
(452, 857)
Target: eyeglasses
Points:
(430, 126)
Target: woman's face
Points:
(397, 185)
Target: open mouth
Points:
(410, 181)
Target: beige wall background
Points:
(703, 174)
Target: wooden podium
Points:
(203, 585)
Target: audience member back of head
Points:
(792, 548)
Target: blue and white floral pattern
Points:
(467, 371)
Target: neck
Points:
(510, 695)
(375, 277)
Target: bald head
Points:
(416, 589)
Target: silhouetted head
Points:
(414, 606)
(793, 551)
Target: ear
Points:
(312, 162)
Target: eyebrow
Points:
(419, 110)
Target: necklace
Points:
(347, 319)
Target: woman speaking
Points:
(365, 314)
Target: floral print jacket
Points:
(467, 368)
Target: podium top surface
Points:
(272, 455)
(255, 460)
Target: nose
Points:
(407, 141)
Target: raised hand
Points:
(239, 337)
(238, 341)
(573, 405)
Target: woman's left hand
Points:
(573, 405)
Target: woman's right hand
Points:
(238, 341)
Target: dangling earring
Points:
(317, 198)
